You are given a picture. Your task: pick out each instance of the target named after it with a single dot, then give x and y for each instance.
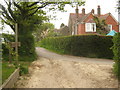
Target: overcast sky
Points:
(106, 7)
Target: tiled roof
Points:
(104, 16)
(81, 18)
(90, 21)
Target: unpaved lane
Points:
(65, 73)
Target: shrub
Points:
(23, 70)
(4, 49)
(25, 53)
(81, 45)
(116, 51)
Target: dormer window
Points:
(110, 27)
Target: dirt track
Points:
(51, 73)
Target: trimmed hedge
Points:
(81, 45)
(116, 51)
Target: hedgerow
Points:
(81, 45)
(116, 51)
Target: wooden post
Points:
(16, 41)
(10, 59)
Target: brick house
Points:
(82, 23)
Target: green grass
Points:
(7, 70)
(21, 58)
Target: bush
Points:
(25, 53)
(81, 45)
(4, 49)
(23, 70)
(116, 51)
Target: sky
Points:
(63, 17)
(106, 7)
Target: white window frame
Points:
(110, 27)
(89, 27)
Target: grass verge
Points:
(7, 70)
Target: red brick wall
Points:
(90, 17)
(111, 21)
(81, 29)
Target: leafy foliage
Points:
(83, 45)
(28, 16)
(43, 30)
(62, 24)
(101, 26)
(116, 51)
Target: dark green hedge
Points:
(81, 45)
(116, 51)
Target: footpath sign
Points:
(14, 44)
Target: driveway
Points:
(52, 70)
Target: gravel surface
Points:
(65, 71)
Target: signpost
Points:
(16, 42)
(14, 45)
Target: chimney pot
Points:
(92, 11)
(83, 11)
(77, 10)
(99, 10)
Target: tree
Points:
(43, 31)
(28, 15)
(101, 26)
(62, 24)
(27, 23)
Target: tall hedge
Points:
(116, 51)
(81, 45)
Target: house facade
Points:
(82, 23)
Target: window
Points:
(90, 27)
(110, 27)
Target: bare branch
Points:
(11, 12)
(8, 24)
(32, 4)
(6, 2)
(18, 6)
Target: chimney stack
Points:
(77, 10)
(92, 11)
(98, 10)
(83, 11)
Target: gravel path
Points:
(62, 71)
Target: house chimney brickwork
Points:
(77, 10)
(92, 11)
(99, 10)
(83, 11)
